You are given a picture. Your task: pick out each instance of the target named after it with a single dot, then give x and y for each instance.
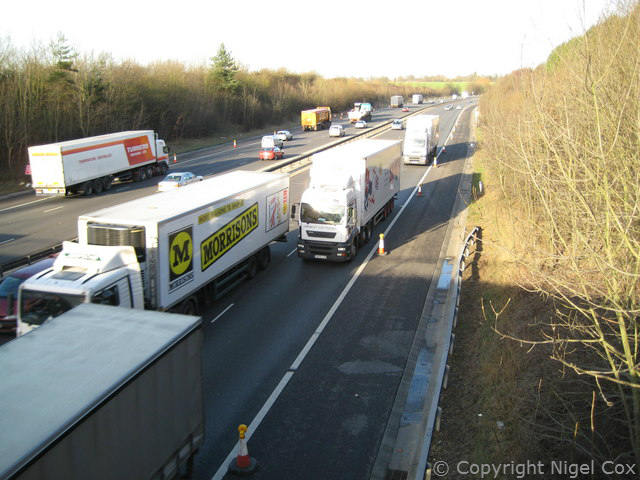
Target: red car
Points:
(405, 109)
(9, 288)
(272, 153)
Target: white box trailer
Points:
(396, 101)
(421, 138)
(417, 98)
(171, 250)
(89, 165)
(102, 393)
(352, 188)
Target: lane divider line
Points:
(222, 313)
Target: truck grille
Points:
(318, 248)
(321, 234)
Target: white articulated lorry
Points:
(168, 251)
(102, 393)
(417, 98)
(89, 165)
(360, 111)
(421, 138)
(352, 187)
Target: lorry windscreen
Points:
(37, 307)
(327, 215)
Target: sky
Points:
(335, 38)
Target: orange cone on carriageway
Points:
(235, 145)
(419, 194)
(175, 158)
(243, 464)
(381, 245)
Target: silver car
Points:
(178, 179)
(336, 131)
(284, 135)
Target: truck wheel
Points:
(106, 182)
(97, 186)
(264, 257)
(252, 267)
(189, 307)
(87, 189)
(150, 172)
(354, 250)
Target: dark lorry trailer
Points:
(102, 392)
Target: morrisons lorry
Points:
(89, 165)
(316, 118)
(102, 393)
(396, 101)
(421, 138)
(360, 111)
(352, 188)
(417, 98)
(167, 251)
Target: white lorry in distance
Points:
(416, 98)
(103, 393)
(421, 137)
(396, 101)
(351, 188)
(270, 141)
(89, 165)
(167, 251)
(360, 111)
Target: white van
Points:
(270, 141)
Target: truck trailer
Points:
(168, 251)
(421, 138)
(360, 111)
(89, 165)
(396, 101)
(351, 188)
(101, 393)
(417, 98)
(316, 118)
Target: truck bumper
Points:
(409, 160)
(326, 251)
(50, 191)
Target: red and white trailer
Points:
(89, 165)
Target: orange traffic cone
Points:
(419, 194)
(235, 145)
(381, 245)
(243, 464)
(175, 158)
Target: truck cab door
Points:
(117, 294)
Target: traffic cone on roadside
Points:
(381, 245)
(243, 464)
(419, 194)
(175, 158)
(235, 145)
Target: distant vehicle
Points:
(284, 135)
(405, 109)
(337, 131)
(270, 141)
(178, 179)
(315, 119)
(272, 153)
(448, 107)
(360, 111)
(396, 101)
(360, 124)
(416, 98)
(397, 124)
(459, 107)
(9, 292)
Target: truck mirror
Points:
(293, 210)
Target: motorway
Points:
(309, 355)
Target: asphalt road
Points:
(328, 420)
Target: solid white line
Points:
(7, 241)
(52, 209)
(292, 252)
(23, 204)
(222, 312)
(255, 423)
